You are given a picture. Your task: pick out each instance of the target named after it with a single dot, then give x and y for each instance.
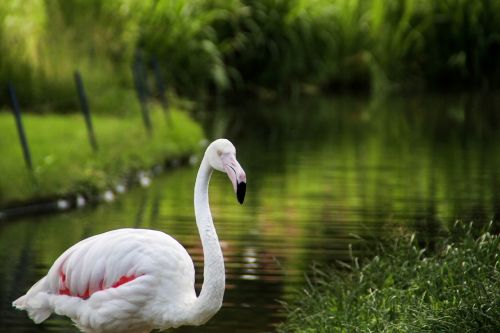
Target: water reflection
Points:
(321, 173)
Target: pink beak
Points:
(236, 175)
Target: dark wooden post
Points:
(141, 89)
(84, 106)
(20, 127)
(160, 85)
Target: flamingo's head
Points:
(221, 156)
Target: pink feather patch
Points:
(65, 290)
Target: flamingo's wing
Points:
(100, 262)
(112, 259)
(112, 276)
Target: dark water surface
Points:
(321, 173)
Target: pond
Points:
(323, 173)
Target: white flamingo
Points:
(137, 280)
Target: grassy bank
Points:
(64, 162)
(405, 289)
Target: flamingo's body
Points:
(137, 280)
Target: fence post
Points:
(20, 127)
(85, 110)
(140, 87)
(160, 85)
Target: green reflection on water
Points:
(319, 172)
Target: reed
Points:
(278, 44)
(407, 288)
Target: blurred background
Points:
(355, 120)
(208, 48)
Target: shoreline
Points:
(68, 174)
(72, 201)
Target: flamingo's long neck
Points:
(210, 299)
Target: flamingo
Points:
(137, 280)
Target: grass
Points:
(405, 289)
(64, 163)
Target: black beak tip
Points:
(240, 192)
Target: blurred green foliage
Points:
(270, 46)
(43, 42)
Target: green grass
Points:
(405, 289)
(64, 162)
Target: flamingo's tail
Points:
(35, 302)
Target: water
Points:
(321, 174)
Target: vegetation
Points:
(215, 46)
(406, 289)
(44, 42)
(64, 162)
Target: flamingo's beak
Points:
(236, 175)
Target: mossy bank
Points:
(64, 162)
